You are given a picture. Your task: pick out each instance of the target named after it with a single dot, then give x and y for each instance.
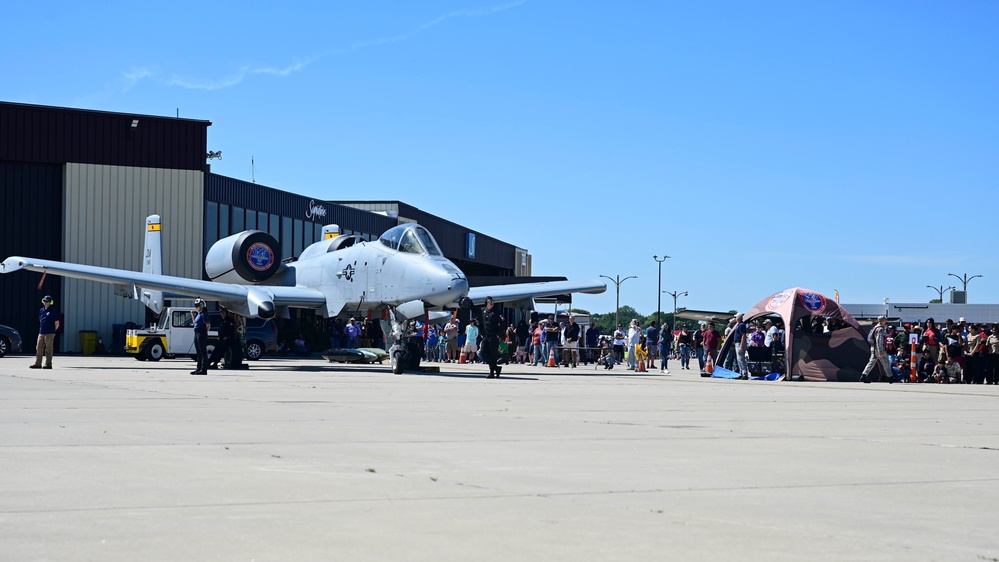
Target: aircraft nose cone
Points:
(447, 288)
(459, 286)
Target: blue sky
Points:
(843, 145)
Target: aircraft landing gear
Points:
(405, 352)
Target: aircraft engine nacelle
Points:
(252, 256)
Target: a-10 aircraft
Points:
(404, 272)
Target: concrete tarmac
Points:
(107, 458)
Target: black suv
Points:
(261, 336)
(10, 340)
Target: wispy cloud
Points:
(136, 75)
(432, 23)
(234, 78)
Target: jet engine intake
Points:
(251, 256)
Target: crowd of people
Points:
(957, 352)
(548, 342)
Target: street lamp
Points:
(674, 294)
(941, 290)
(618, 282)
(964, 280)
(659, 301)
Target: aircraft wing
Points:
(254, 295)
(517, 291)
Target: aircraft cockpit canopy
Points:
(412, 239)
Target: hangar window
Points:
(238, 216)
(224, 221)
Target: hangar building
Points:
(77, 186)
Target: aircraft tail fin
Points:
(152, 262)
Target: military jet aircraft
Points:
(404, 273)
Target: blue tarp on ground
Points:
(723, 373)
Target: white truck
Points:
(172, 336)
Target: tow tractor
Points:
(172, 336)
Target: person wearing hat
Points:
(553, 335)
(451, 335)
(902, 346)
(227, 341)
(201, 327)
(879, 355)
(353, 332)
(572, 342)
(491, 326)
(769, 331)
(619, 343)
(538, 343)
(48, 325)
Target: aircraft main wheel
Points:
(155, 351)
(254, 350)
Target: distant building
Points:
(920, 311)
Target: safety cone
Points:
(641, 367)
(709, 365)
(551, 358)
(462, 358)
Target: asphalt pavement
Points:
(108, 458)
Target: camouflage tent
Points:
(836, 356)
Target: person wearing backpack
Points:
(876, 338)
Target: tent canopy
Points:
(839, 355)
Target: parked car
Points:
(261, 336)
(10, 340)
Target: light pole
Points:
(964, 280)
(674, 294)
(659, 300)
(941, 290)
(617, 305)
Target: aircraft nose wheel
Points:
(405, 357)
(398, 360)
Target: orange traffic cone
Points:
(709, 365)
(551, 358)
(641, 367)
(462, 358)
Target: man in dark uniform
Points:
(491, 321)
(227, 332)
(201, 328)
(571, 354)
(48, 325)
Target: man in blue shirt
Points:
(652, 341)
(48, 325)
(201, 327)
(739, 333)
(353, 332)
